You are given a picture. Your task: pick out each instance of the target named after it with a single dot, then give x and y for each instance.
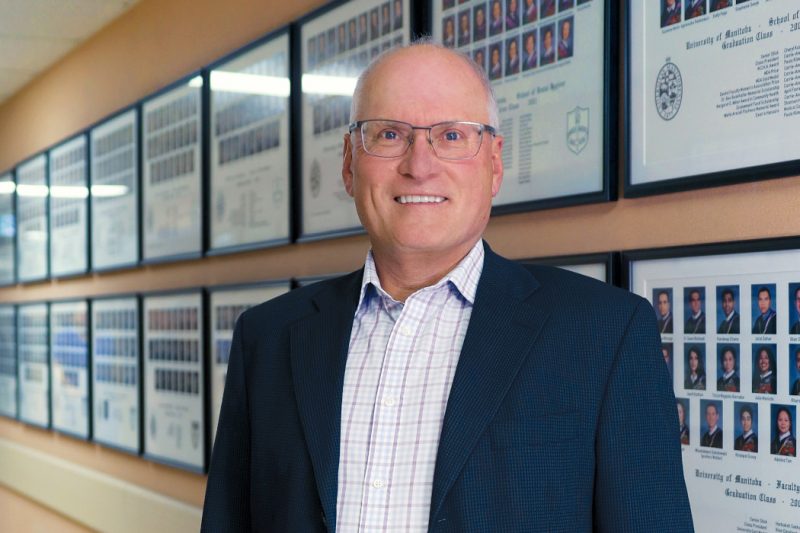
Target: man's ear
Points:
(347, 164)
(497, 164)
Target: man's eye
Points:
(453, 136)
(388, 135)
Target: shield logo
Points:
(578, 129)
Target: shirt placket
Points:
(387, 415)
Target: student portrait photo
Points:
(682, 404)
(352, 33)
(464, 33)
(662, 301)
(728, 368)
(565, 38)
(547, 8)
(530, 58)
(764, 319)
(512, 56)
(495, 62)
(547, 51)
(670, 12)
(695, 367)
(449, 31)
(764, 371)
(712, 423)
(512, 14)
(716, 5)
(447, 4)
(794, 366)
(563, 5)
(695, 8)
(479, 22)
(694, 313)
(374, 24)
(666, 351)
(496, 17)
(783, 436)
(397, 15)
(794, 308)
(479, 57)
(728, 310)
(386, 19)
(530, 11)
(746, 420)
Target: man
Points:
(696, 323)
(565, 39)
(712, 438)
(495, 64)
(730, 322)
(548, 52)
(512, 14)
(670, 12)
(530, 59)
(464, 36)
(398, 14)
(441, 375)
(547, 8)
(496, 22)
(795, 330)
(683, 427)
(449, 32)
(512, 61)
(531, 11)
(664, 312)
(748, 440)
(796, 386)
(479, 57)
(765, 322)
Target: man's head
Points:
(695, 301)
(665, 353)
(566, 29)
(463, 20)
(530, 44)
(512, 49)
(712, 416)
(419, 202)
(497, 10)
(663, 303)
(797, 300)
(746, 416)
(480, 16)
(728, 301)
(797, 358)
(548, 39)
(764, 300)
(681, 413)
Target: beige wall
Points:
(159, 41)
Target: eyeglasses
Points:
(450, 140)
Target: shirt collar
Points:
(464, 277)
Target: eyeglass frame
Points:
(483, 128)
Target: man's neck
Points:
(403, 273)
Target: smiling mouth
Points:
(419, 199)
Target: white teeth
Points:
(420, 199)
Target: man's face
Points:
(566, 29)
(711, 415)
(530, 45)
(727, 303)
(670, 4)
(548, 40)
(416, 86)
(663, 304)
(495, 56)
(797, 300)
(496, 10)
(797, 360)
(480, 18)
(512, 6)
(694, 302)
(747, 421)
(512, 50)
(728, 361)
(763, 361)
(681, 415)
(784, 425)
(464, 23)
(665, 353)
(764, 301)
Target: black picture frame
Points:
(62, 360)
(607, 153)
(177, 374)
(187, 146)
(39, 365)
(9, 371)
(68, 205)
(334, 107)
(717, 168)
(117, 319)
(246, 148)
(8, 228)
(42, 272)
(609, 260)
(111, 212)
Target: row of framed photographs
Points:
(243, 154)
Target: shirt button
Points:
(389, 402)
(378, 483)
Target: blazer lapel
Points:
(319, 345)
(501, 333)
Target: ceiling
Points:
(34, 34)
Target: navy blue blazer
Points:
(561, 415)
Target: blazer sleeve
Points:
(639, 484)
(227, 501)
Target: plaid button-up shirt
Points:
(400, 366)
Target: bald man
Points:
(442, 387)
